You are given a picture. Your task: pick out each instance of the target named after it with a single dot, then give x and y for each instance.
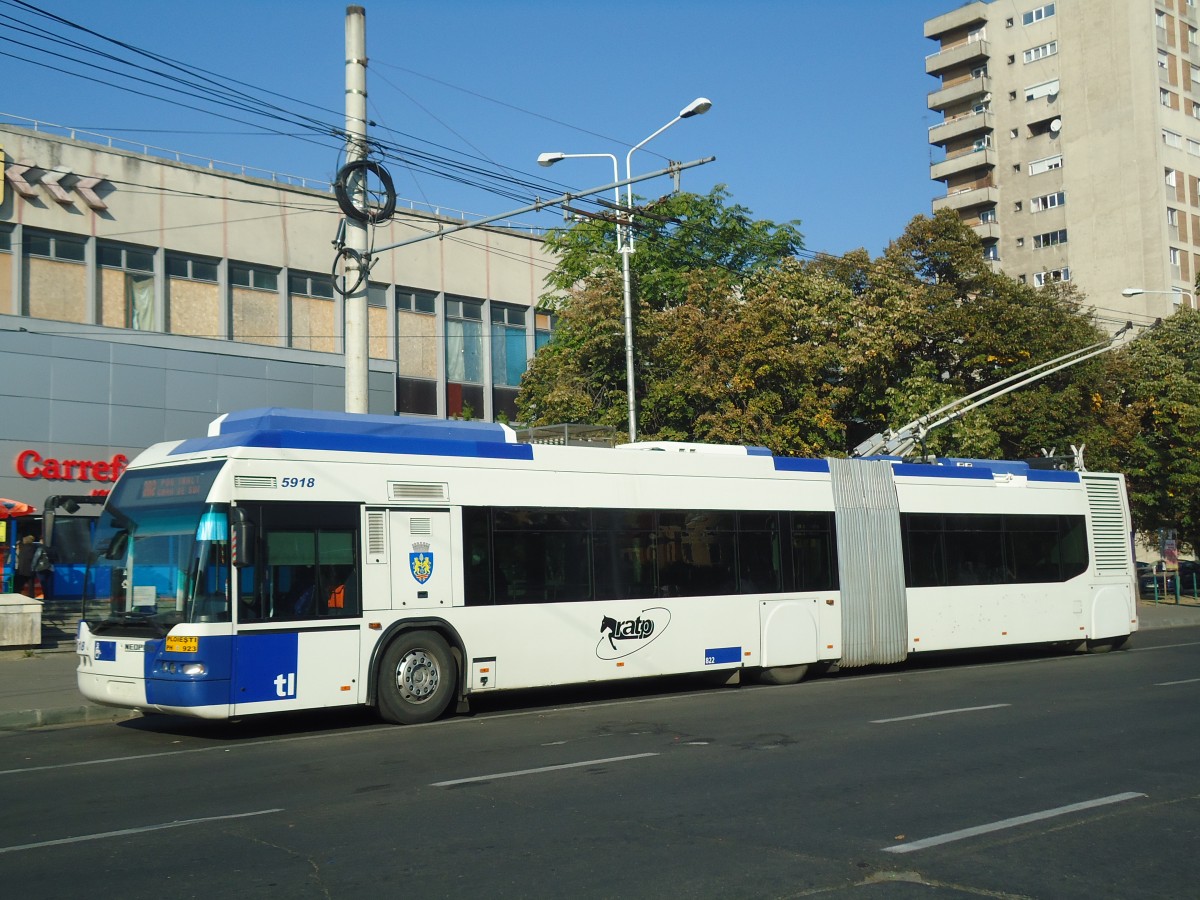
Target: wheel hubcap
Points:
(417, 676)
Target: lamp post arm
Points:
(546, 204)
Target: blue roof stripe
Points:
(356, 443)
(798, 464)
(1053, 475)
(306, 420)
(918, 470)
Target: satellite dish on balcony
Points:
(1056, 126)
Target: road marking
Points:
(1008, 823)
(142, 830)
(943, 712)
(1169, 683)
(574, 765)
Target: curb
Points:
(24, 719)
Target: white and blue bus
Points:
(293, 560)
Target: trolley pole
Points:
(355, 302)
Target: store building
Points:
(141, 296)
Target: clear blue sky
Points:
(819, 108)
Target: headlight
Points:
(193, 668)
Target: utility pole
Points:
(355, 301)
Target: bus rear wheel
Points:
(417, 678)
(782, 674)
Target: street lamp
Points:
(697, 107)
(1133, 292)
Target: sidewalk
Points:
(37, 687)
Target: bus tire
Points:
(782, 674)
(417, 678)
(1107, 644)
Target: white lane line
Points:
(142, 830)
(942, 712)
(1008, 823)
(574, 765)
(1169, 683)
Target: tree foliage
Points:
(740, 341)
(1162, 380)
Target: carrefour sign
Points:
(33, 466)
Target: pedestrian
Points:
(23, 578)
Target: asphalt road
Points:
(990, 776)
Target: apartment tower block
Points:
(1070, 142)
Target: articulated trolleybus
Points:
(295, 560)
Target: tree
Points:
(1159, 456)
(685, 244)
(737, 345)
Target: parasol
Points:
(10, 509)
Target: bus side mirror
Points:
(117, 546)
(242, 537)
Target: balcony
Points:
(965, 17)
(987, 231)
(960, 126)
(964, 92)
(984, 157)
(959, 55)
(981, 196)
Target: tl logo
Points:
(285, 685)
(420, 562)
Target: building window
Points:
(1172, 217)
(991, 251)
(1045, 165)
(1012, 58)
(1049, 239)
(1033, 54)
(1036, 15)
(193, 298)
(1164, 97)
(56, 281)
(311, 320)
(1020, 242)
(987, 216)
(979, 72)
(255, 311)
(54, 246)
(126, 286)
(1045, 89)
(418, 347)
(1048, 201)
(1169, 177)
(1174, 254)
(416, 301)
(1017, 206)
(1163, 57)
(1013, 132)
(258, 278)
(464, 357)
(508, 344)
(1041, 278)
(544, 323)
(191, 268)
(1193, 147)
(1171, 139)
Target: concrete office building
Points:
(141, 296)
(1071, 139)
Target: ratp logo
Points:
(420, 562)
(622, 637)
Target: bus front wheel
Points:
(417, 678)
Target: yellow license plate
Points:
(183, 644)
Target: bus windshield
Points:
(160, 554)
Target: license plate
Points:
(183, 644)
